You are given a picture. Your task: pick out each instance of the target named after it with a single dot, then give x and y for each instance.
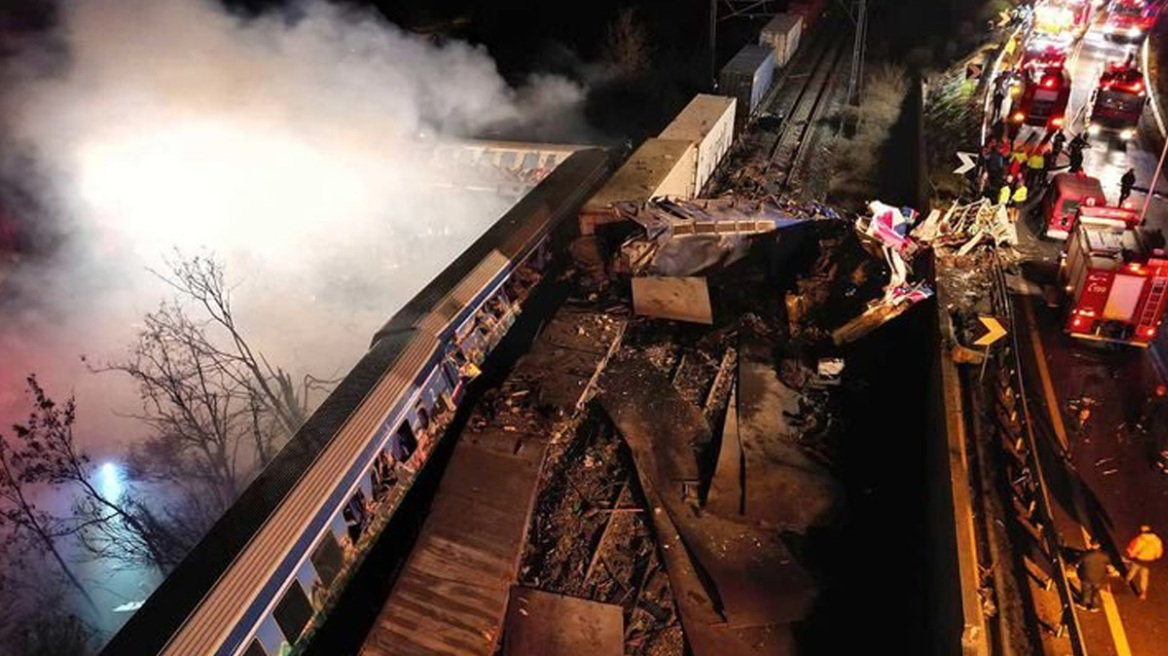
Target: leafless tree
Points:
(217, 409)
(24, 460)
(122, 529)
(627, 44)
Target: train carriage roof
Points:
(565, 189)
(151, 627)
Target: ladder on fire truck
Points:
(1152, 306)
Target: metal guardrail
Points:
(1030, 495)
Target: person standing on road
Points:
(1092, 571)
(1125, 185)
(1152, 404)
(1056, 146)
(1076, 157)
(1143, 550)
(999, 98)
(1006, 191)
(1036, 167)
(1018, 199)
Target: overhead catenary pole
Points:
(714, 44)
(1152, 184)
(860, 21)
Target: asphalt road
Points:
(1109, 486)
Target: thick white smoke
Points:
(297, 149)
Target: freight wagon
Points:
(707, 122)
(660, 168)
(747, 78)
(782, 34)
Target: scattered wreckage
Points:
(672, 245)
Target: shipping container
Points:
(782, 34)
(708, 122)
(747, 77)
(660, 168)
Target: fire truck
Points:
(1054, 24)
(1118, 102)
(1042, 101)
(1129, 21)
(1041, 55)
(1115, 278)
(1067, 195)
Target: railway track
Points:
(789, 149)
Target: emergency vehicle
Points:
(1129, 21)
(1054, 24)
(1041, 55)
(1118, 102)
(1042, 101)
(1068, 193)
(1115, 279)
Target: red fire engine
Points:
(1115, 278)
(1043, 99)
(1129, 21)
(1118, 102)
(1041, 55)
(1067, 195)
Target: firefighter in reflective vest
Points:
(1142, 551)
(1017, 199)
(1036, 167)
(1005, 192)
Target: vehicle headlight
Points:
(1134, 31)
(1093, 129)
(1127, 134)
(1109, 29)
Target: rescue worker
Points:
(1017, 161)
(1056, 146)
(1125, 185)
(1006, 191)
(1036, 167)
(1017, 199)
(1143, 550)
(1152, 403)
(1076, 152)
(1092, 571)
(999, 98)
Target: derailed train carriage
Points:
(267, 571)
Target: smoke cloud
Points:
(296, 148)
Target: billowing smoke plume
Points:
(296, 148)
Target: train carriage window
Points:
(327, 558)
(403, 443)
(293, 612)
(530, 161)
(255, 649)
(550, 162)
(507, 161)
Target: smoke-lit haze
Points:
(286, 145)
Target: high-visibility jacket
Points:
(1145, 547)
(1037, 161)
(1020, 194)
(1004, 195)
(1019, 156)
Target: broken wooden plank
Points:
(783, 487)
(680, 299)
(546, 624)
(725, 495)
(751, 572)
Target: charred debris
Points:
(683, 491)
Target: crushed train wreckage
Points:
(674, 245)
